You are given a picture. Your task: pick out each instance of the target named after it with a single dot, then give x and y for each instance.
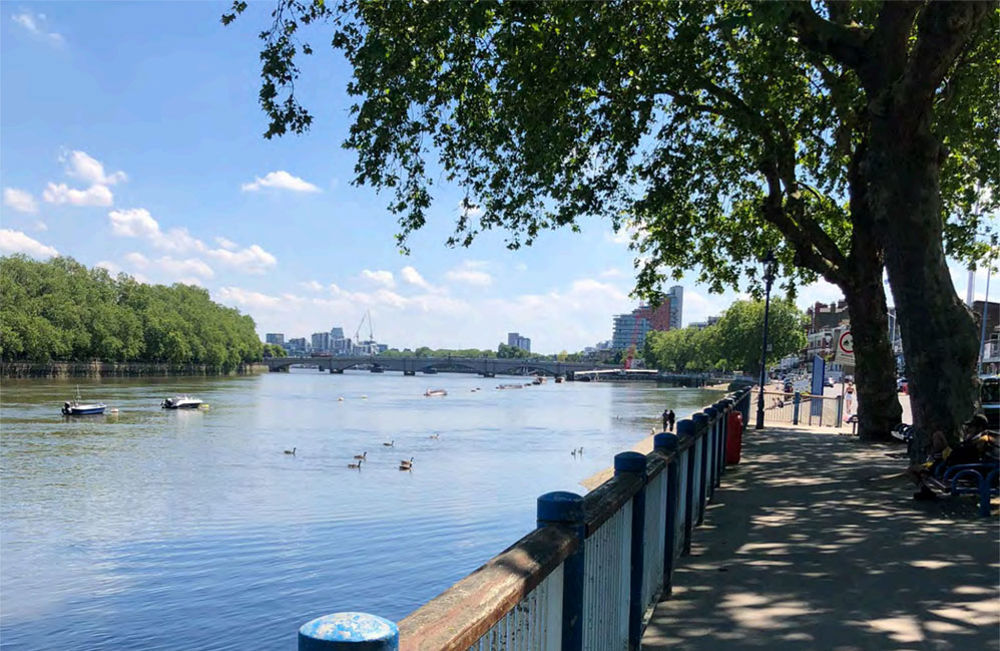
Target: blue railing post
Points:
(346, 631)
(685, 428)
(565, 508)
(712, 448)
(796, 401)
(745, 408)
(727, 408)
(701, 433)
(635, 463)
(666, 444)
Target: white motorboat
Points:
(181, 402)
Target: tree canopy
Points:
(734, 342)
(60, 310)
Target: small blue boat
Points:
(79, 408)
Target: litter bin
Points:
(734, 437)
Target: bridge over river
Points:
(485, 366)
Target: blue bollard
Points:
(349, 631)
(666, 444)
(633, 462)
(796, 405)
(565, 508)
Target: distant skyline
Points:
(131, 139)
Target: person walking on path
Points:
(672, 417)
(848, 401)
(666, 419)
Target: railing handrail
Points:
(495, 588)
(463, 614)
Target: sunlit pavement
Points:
(814, 542)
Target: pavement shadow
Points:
(814, 542)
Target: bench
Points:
(967, 479)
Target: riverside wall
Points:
(117, 369)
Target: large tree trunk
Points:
(875, 365)
(939, 334)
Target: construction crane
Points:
(371, 330)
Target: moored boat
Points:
(79, 408)
(429, 393)
(181, 402)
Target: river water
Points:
(155, 529)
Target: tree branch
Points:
(887, 47)
(845, 43)
(943, 30)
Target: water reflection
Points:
(186, 525)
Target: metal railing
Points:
(588, 577)
(803, 408)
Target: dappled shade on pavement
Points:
(815, 542)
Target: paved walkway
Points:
(814, 542)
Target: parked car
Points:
(828, 382)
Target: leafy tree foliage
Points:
(60, 310)
(847, 136)
(732, 343)
(274, 350)
(507, 351)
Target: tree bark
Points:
(875, 365)
(938, 331)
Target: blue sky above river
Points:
(132, 139)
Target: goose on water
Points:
(356, 465)
(406, 465)
(292, 451)
(361, 456)
(390, 444)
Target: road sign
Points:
(845, 349)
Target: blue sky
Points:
(132, 139)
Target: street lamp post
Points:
(768, 279)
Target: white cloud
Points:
(19, 200)
(18, 242)
(80, 165)
(251, 260)
(379, 277)
(250, 299)
(41, 226)
(229, 245)
(312, 286)
(413, 277)
(520, 266)
(613, 272)
(280, 180)
(470, 273)
(95, 195)
(111, 267)
(35, 24)
(171, 267)
(136, 222)
(469, 209)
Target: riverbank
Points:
(96, 369)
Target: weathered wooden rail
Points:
(587, 578)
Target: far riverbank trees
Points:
(60, 310)
(850, 137)
(734, 343)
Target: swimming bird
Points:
(292, 451)
(581, 451)
(406, 465)
(340, 399)
(573, 452)
(435, 436)
(361, 456)
(356, 465)
(390, 444)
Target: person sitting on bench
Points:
(974, 447)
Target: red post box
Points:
(734, 437)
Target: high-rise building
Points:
(631, 329)
(297, 346)
(321, 342)
(675, 302)
(338, 344)
(275, 338)
(517, 341)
